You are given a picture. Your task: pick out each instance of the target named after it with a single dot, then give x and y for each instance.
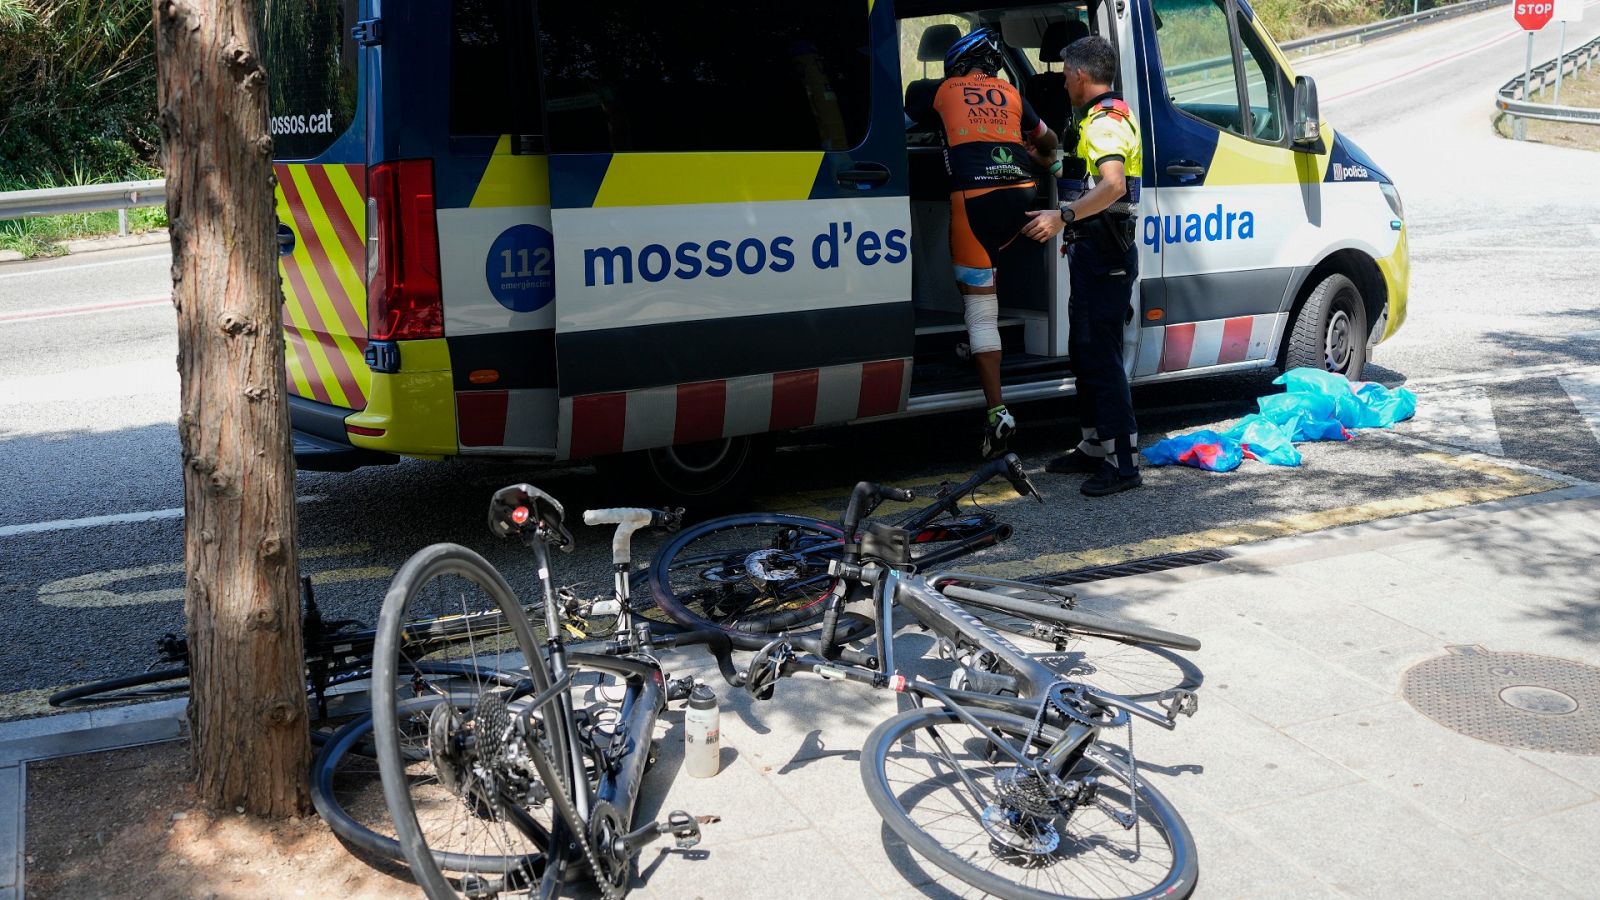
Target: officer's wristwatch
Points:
(1067, 214)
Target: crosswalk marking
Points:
(1458, 417)
(1584, 389)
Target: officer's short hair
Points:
(1094, 56)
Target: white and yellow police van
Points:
(552, 231)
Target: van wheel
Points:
(1330, 331)
(692, 475)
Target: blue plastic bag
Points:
(1304, 417)
(1382, 407)
(1264, 440)
(1204, 449)
(1318, 383)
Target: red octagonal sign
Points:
(1533, 15)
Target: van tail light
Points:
(403, 299)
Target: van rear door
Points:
(319, 150)
(730, 217)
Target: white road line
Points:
(74, 268)
(1458, 417)
(154, 515)
(1501, 375)
(1584, 389)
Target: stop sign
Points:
(1533, 15)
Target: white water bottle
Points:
(702, 734)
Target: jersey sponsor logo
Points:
(321, 123)
(1003, 156)
(1342, 172)
(748, 256)
(1220, 224)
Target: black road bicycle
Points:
(526, 784)
(762, 573)
(1006, 783)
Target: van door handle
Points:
(863, 176)
(285, 240)
(1186, 168)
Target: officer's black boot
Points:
(1117, 475)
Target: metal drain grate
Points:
(1134, 567)
(1512, 699)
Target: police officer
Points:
(1103, 263)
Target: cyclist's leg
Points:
(975, 277)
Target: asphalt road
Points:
(1501, 344)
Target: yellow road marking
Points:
(94, 588)
(1509, 483)
(828, 503)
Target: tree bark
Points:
(247, 706)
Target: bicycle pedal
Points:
(685, 829)
(1179, 702)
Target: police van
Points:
(554, 231)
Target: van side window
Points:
(1197, 60)
(311, 96)
(1264, 83)
(493, 69)
(627, 75)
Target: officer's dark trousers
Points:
(1102, 284)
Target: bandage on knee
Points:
(983, 322)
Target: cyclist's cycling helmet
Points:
(980, 49)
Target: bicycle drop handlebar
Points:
(628, 520)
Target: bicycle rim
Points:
(750, 575)
(152, 685)
(1132, 669)
(443, 808)
(912, 766)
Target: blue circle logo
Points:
(521, 268)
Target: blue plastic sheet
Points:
(1204, 449)
(1264, 440)
(1315, 406)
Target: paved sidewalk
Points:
(1305, 772)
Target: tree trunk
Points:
(247, 706)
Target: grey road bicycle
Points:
(525, 786)
(1006, 782)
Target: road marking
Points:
(828, 503)
(1584, 389)
(1510, 483)
(89, 591)
(1458, 417)
(30, 315)
(1500, 376)
(1424, 67)
(94, 265)
(154, 515)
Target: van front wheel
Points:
(1330, 331)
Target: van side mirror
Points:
(1307, 122)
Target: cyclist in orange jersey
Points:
(990, 133)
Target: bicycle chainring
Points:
(608, 849)
(1073, 701)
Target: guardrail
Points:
(1515, 98)
(1360, 33)
(121, 196)
(1394, 26)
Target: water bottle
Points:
(702, 734)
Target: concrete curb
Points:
(90, 245)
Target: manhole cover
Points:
(1512, 699)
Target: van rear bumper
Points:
(320, 443)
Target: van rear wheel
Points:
(1330, 331)
(693, 474)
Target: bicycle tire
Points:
(758, 630)
(143, 686)
(428, 864)
(1158, 813)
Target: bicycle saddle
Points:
(520, 507)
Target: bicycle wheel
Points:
(152, 685)
(447, 605)
(1133, 669)
(945, 790)
(751, 575)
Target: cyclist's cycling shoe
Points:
(997, 435)
(1109, 481)
(1076, 462)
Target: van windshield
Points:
(312, 73)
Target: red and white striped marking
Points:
(602, 424)
(1215, 342)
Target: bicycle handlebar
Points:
(863, 500)
(628, 520)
